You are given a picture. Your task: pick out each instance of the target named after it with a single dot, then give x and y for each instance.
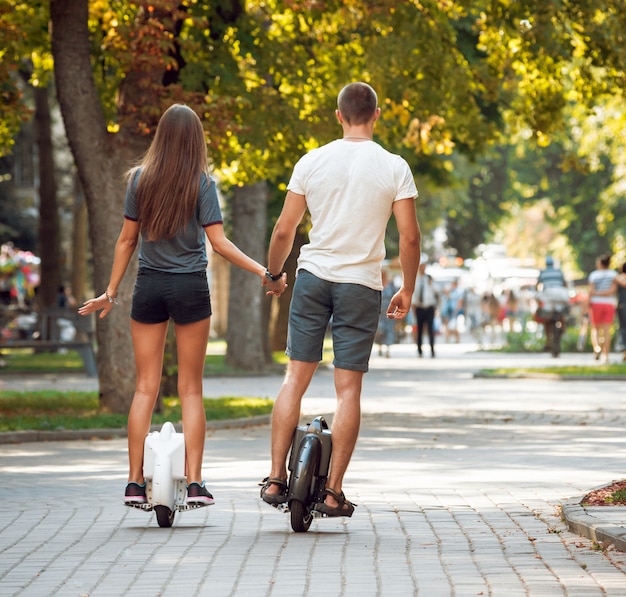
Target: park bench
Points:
(48, 336)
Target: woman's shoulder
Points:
(206, 182)
(132, 176)
(600, 273)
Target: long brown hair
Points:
(167, 190)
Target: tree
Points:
(452, 79)
(145, 70)
(247, 344)
(101, 158)
(14, 36)
(49, 236)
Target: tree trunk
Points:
(247, 327)
(219, 287)
(48, 209)
(78, 277)
(100, 159)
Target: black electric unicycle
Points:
(309, 461)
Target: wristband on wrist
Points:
(111, 299)
(273, 278)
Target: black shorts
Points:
(159, 296)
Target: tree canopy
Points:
(453, 77)
(492, 102)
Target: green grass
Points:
(579, 371)
(618, 496)
(51, 410)
(25, 360)
(28, 361)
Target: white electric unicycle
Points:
(164, 472)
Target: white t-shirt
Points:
(349, 188)
(427, 294)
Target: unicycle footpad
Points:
(177, 507)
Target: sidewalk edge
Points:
(583, 524)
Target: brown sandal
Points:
(343, 508)
(274, 499)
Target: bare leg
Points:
(286, 416)
(148, 345)
(191, 342)
(605, 340)
(345, 428)
(594, 338)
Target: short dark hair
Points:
(605, 259)
(357, 103)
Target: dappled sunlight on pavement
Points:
(458, 479)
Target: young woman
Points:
(171, 202)
(602, 302)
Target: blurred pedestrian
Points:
(386, 332)
(451, 309)
(65, 298)
(602, 302)
(511, 309)
(424, 302)
(551, 292)
(473, 313)
(620, 280)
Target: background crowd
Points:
(444, 310)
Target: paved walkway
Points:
(459, 481)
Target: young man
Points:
(552, 290)
(425, 301)
(351, 187)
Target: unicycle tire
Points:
(302, 483)
(165, 516)
(301, 517)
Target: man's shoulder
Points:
(551, 272)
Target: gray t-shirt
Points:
(186, 251)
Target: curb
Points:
(581, 521)
(61, 435)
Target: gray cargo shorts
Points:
(351, 309)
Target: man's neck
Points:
(358, 133)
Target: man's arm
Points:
(410, 240)
(284, 231)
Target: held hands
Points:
(275, 288)
(100, 303)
